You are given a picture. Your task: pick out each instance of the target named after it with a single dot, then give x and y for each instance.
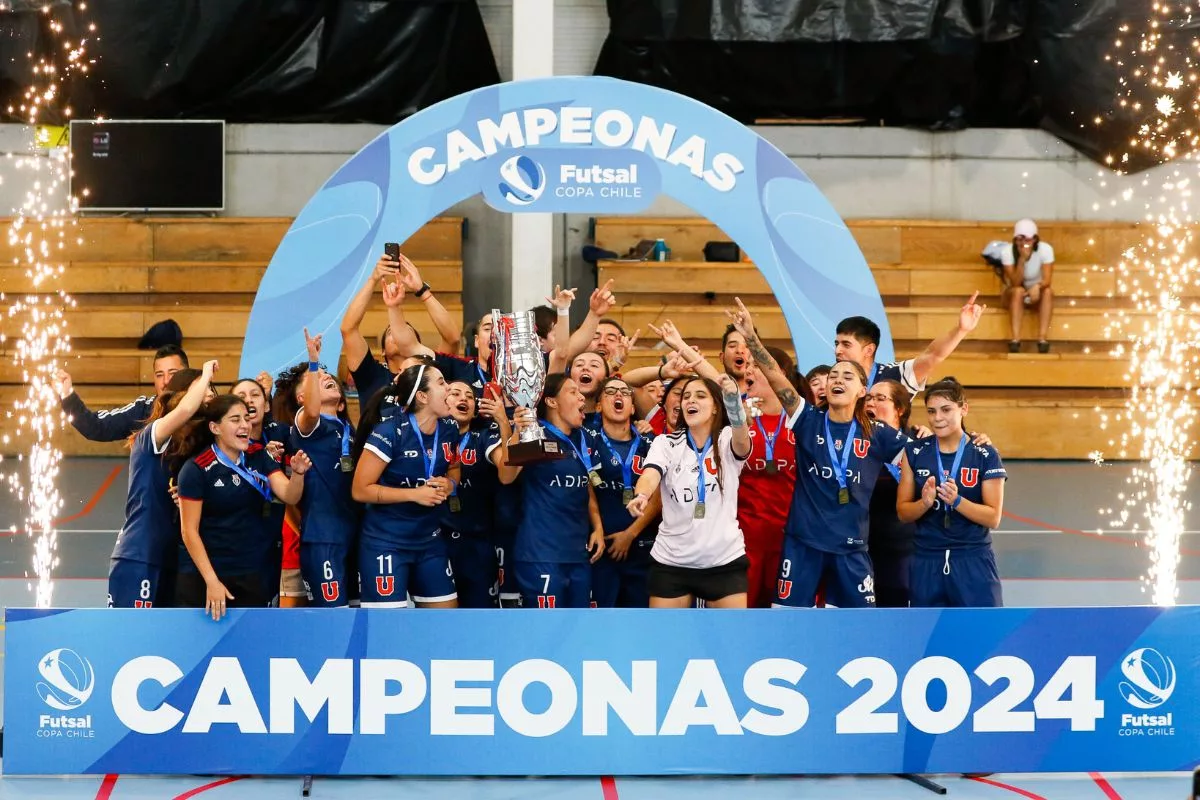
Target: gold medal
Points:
(346, 464)
(699, 512)
(455, 504)
(627, 497)
(594, 477)
(772, 468)
(844, 496)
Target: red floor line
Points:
(608, 785)
(106, 787)
(88, 507)
(207, 786)
(1046, 526)
(1008, 787)
(1105, 786)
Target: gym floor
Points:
(1049, 552)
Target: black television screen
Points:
(148, 165)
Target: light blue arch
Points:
(770, 207)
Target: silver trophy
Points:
(519, 368)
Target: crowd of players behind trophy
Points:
(732, 483)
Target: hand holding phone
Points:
(392, 251)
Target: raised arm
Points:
(353, 344)
(560, 356)
(447, 326)
(310, 412)
(290, 490)
(100, 426)
(941, 348)
(174, 419)
(782, 387)
(731, 396)
(406, 338)
(691, 356)
(525, 418)
(599, 304)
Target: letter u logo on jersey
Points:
(385, 585)
(710, 466)
(968, 477)
(862, 447)
(784, 589)
(448, 452)
(639, 465)
(468, 456)
(330, 591)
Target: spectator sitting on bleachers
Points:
(1028, 268)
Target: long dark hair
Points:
(860, 407)
(719, 423)
(949, 388)
(195, 435)
(172, 393)
(552, 387)
(403, 386)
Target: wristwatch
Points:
(421, 292)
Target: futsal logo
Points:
(67, 679)
(522, 180)
(1149, 678)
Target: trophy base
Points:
(523, 453)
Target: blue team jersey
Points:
(151, 526)
(816, 518)
(978, 464)
(555, 524)
(478, 482)
(231, 520)
(407, 526)
(902, 372)
(593, 421)
(610, 494)
(328, 513)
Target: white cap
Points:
(1026, 228)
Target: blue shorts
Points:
(323, 568)
(132, 584)
(954, 579)
(475, 570)
(849, 582)
(389, 575)
(510, 593)
(623, 584)
(554, 585)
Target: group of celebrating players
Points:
(746, 486)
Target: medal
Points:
(266, 512)
(840, 470)
(772, 468)
(844, 496)
(699, 512)
(455, 504)
(627, 496)
(594, 478)
(769, 440)
(346, 464)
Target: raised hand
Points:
(274, 450)
(314, 345)
(301, 463)
(670, 335)
(393, 294)
(562, 298)
(743, 323)
(209, 369)
(384, 268)
(929, 492)
(602, 300)
(266, 383)
(969, 316)
(409, 274)
(729, 388)
(62, 384)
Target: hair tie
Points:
(416, 384)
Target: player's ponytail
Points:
(399, 395)
(949, 388)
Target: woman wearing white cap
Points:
(1028, 267)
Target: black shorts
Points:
(247, 590)
(712, 583)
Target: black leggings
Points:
(247, 590)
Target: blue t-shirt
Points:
(328, 513)
(978, 464)
(593, 421)
(902, 372)
(555, 524)
(408, 526)
(478, 482)
(610, 494)
(231, 521)
(151, 522)
(816, 517)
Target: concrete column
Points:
(532, 234)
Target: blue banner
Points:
(564, 145)
(640, 692)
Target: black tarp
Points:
(930, 63)
(254, 60)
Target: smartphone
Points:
(392, 251)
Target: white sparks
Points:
(1174, 80)
(1165, 105)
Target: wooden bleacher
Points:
(129, 273)
(925, 271)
